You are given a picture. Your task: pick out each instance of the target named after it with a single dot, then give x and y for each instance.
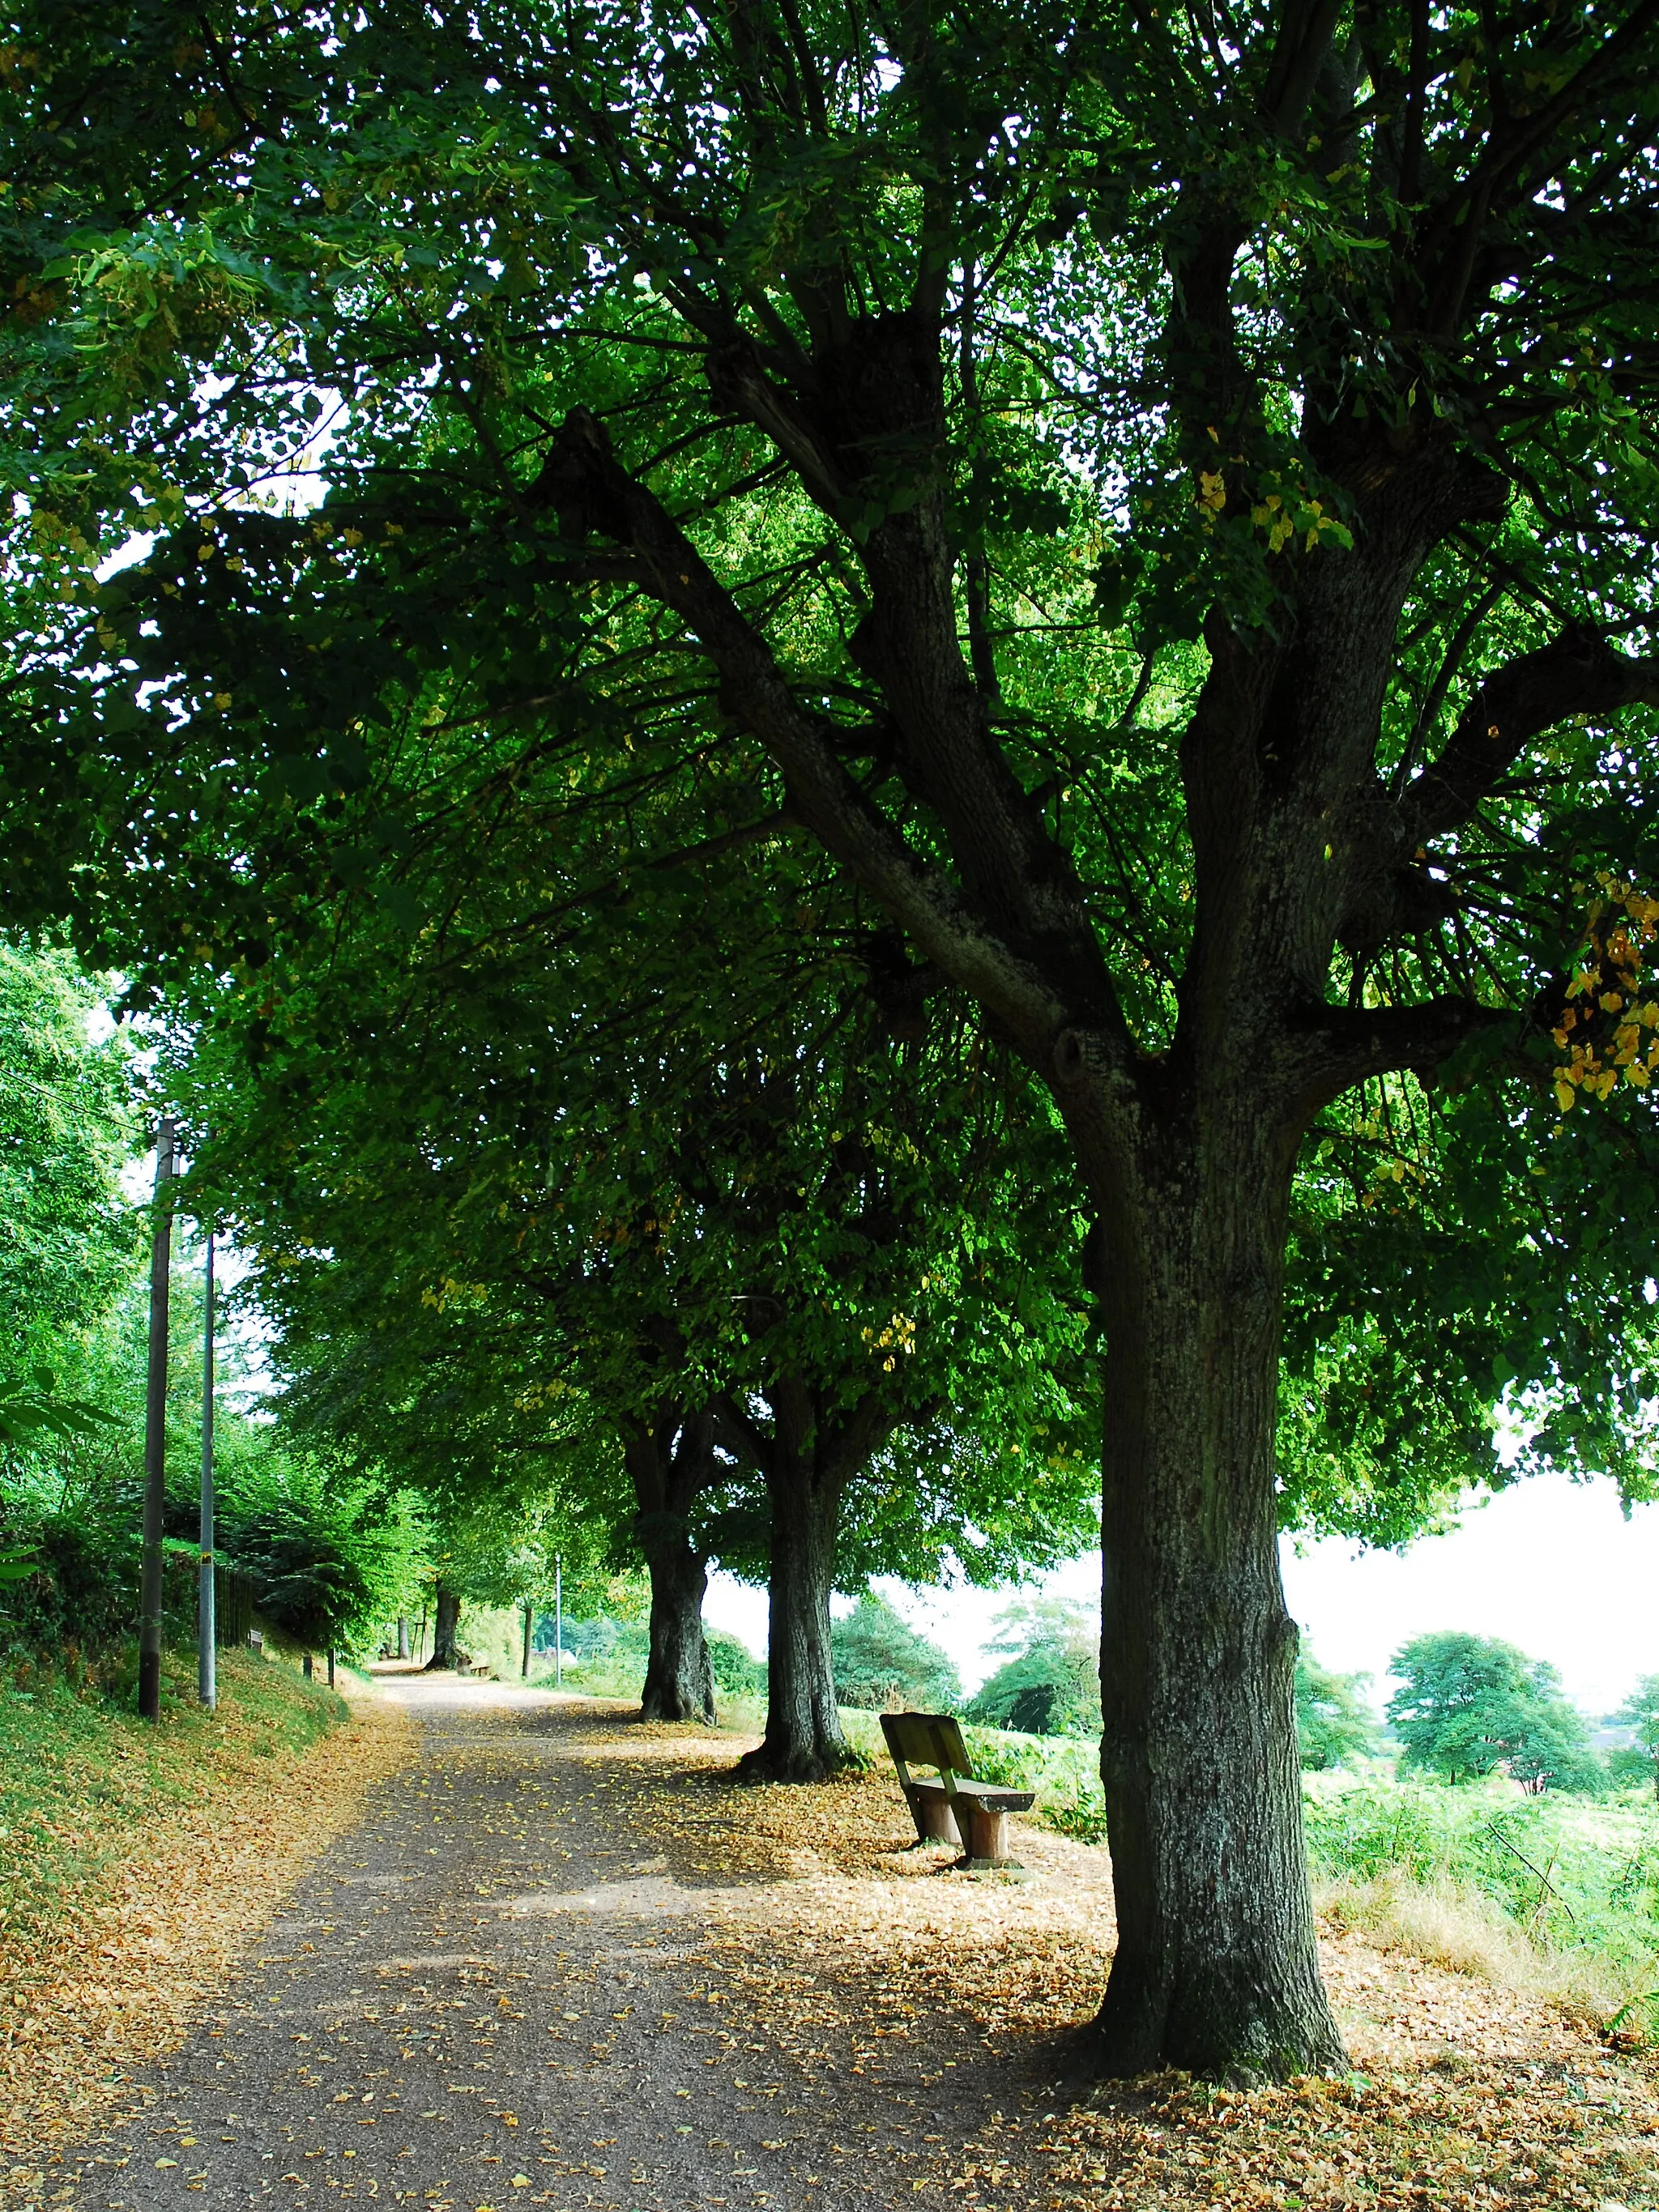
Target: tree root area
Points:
(761, 1766)
(562, 1962)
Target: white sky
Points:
(1550, 1566)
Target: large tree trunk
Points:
(671, 1462)
(802, 1741)
(1216, 1968)
(446, 1628)
(806, 1459)
(679, 1681)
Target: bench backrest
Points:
(926, 1740)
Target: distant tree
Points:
(881, 1662)
(1333, 1721)
(1051, 1683)
(1469, 1704)
(1641, 1711)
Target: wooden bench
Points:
(955, 1809)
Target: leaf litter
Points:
(172, 1848)
(751, 1945)
(842, 1941)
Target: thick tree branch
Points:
(739, 383)
(1305, 30)
(592, 493)
(741, 1436)
(1577, 673)
(856, 1440)
(1342, 1046)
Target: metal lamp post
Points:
(207, 1684)
(155, 1429)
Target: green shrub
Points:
(737, 1673)
(1575, 1874)
(1631, 1767)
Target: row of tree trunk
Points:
(807, 1454)
(806, 1459)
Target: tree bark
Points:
(671, 1462)
(1216, 1969)
(807, 1460)
(445, 1630)
(804, 1741)
(679, 1680)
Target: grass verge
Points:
(1556, 1897)
(81, 1780)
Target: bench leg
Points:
(935, 1822)
(988, 1834)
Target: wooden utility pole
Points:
(558, 1621)
(207, 1625)
(156, 1431)
(528, 1624)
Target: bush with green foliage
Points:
(332, 1555)
(1570, 1871)
(1640, 1711)
(331, 1561)
(1469, 1704)
(80, 1594)
(737, 1673)
(1334, 1723)
(882, 1663)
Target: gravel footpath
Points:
(564, 1962)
